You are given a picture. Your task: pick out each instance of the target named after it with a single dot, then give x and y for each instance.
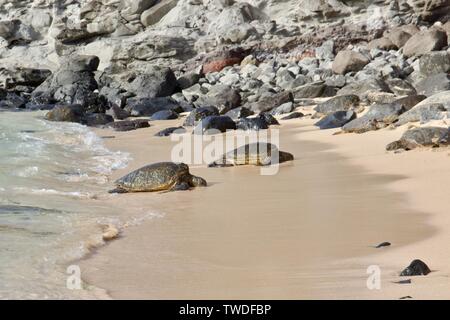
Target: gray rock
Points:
(284, 108)
(434, 63)
(270, 102)
(238, 113)
(188, 80)
(382, 44)
(338, 103)
(310, 90)
(425, 42)
(270, 119)
(423, 114)
(157, 12)
(410, 101)
(362, 88)
(336, 119)
(434, 84)
(221, 96)
(158, 82)
(347, 61)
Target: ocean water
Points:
(51, 211)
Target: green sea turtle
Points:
(258, 154)
(421, 137)
(163, 176)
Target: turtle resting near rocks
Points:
(163, 176)
(258, 154)
(421, 137)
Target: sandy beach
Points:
(305, 233)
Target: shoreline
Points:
(326, 282)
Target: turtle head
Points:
(197, 182)
(184, 169)
(285, 156)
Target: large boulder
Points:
(338, 103)
(73, 83)
(270, 102)
(221, 96)
(423, 113)
(348, 61)
(424, 42)
(157, 82)
(434, 63)
(434, 84)
(146, 107)
(214, 124)
(157, 12)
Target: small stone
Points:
(110, 233)
(383, 244)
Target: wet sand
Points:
(304, 233)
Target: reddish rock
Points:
(229, 58)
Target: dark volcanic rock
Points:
(198, 114)
(165, 115)
(255, 124)
(129, 125)
(410, 101)
(158, 82)
(214, 124)
(416, 268)
(383, 245)
(146, 107)
(270, 119)
(336, 119)
(268, 103)
(221, 96)
(169, 131)
(338, 103)
(69, 86)
(12, 101)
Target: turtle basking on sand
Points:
(421, 137)
(258, 154)
(163, 176)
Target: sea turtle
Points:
(421, 137)
(258, 154)
(163, 176)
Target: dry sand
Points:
(304, 233)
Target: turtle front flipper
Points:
(181, 186)
(118, 190)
